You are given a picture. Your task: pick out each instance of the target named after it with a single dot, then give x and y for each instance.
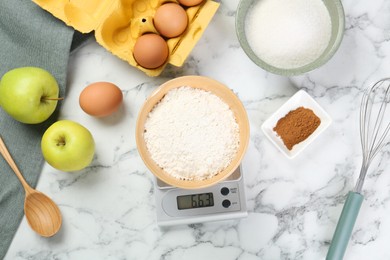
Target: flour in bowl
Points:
(192, 134)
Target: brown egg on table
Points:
(100, 99)
(190, 2)
(150, 51)
(170, 20)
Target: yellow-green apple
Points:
(29, 94)
(68, 146)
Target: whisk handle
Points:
(344, 227)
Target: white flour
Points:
(191, 134)
(288, 33)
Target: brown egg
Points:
(150, 51)
(170, 20)
(100, 99)
(190, 2)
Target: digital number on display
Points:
(195, 201)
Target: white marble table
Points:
(109, 210)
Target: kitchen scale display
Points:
(224, 200)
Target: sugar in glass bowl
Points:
(244, 23)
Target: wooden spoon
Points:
(41, 212)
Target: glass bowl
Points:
(336, 13)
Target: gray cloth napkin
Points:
(29, 36)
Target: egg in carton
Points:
(119, 24)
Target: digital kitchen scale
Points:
(224, 200)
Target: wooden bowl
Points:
(217, 89)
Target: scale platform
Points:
(222, 201)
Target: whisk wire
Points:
(378, 140)
(372, 130)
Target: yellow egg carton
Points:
(119, 23)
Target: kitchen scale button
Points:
(225, 191)
(226, 203)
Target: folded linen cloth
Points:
(29, 36)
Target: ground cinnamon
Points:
(296, 126)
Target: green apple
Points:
(68, 146)
(29, 94)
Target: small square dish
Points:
(299, 99)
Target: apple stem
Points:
(61, 141)
(45, 98)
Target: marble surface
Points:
(109, 210)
